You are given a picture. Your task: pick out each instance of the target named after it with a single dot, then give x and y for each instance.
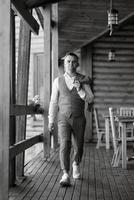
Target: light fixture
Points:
(111, 55)
(112, 17)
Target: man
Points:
(69, 93)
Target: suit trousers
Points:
(71, 133)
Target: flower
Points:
(35, 102)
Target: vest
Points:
(70, 102)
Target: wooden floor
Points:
(99, 180)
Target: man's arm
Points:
(86, 93)
(89, 97)
(84, 90)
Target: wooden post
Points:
(86, 68)
(4, 96)
(55, 58)
(22, 88)
(54, 41)
(47, 75)
(20, 8)
(12, 167)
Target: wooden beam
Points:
(47, 75)
(37, 3)
(40, 16)
(4, 96)
(12, 163)
(126, 20)
(23, 145)
(22, 110)
(22, 87)
(55, 63)
(20, 8)
(55, 41)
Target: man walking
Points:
(69, 93)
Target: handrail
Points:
(25, 110)
(23, 145)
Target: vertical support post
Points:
(12, 167)
(47, 75)
(4, 96)
(55, 58)
(55, 71)
(22, 89)
(86, 68)
(107, 130)
(124, 145)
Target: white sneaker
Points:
(65, 180)
(76, 171)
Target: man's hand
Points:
(51, 127)
(77, 85)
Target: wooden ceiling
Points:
(81, 21)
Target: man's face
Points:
(70, 64)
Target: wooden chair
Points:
(115, 139)
(129, 112)
(126, 111)
(116, 136)
(100, 131)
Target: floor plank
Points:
(99, 180)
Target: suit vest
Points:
(70, 102)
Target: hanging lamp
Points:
(111, 55)
(112, 17)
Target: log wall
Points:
(113, 82)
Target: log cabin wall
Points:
(113, 82)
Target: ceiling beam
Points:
(21, 10)
(126, 20)
(38, 3)
(40, 16)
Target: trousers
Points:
(71, 133)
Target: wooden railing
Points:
(23, 145)
(19, 110)
(24, 110)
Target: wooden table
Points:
(123, 124)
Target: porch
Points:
(99, 179)
(76, 26)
